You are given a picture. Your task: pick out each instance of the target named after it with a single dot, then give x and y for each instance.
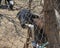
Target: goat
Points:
(26, 17)
(10, 3)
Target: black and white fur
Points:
(26, 17)
(10, 4)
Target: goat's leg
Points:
(0, 2)
(5, 1)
